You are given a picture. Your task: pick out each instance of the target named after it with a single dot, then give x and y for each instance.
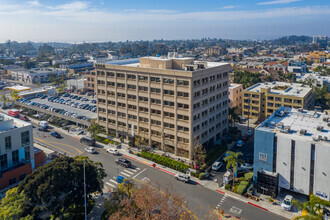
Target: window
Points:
(156, 101)
(143, 88)
(130, 76)
(196, 94)
(3, 161)
(183, 117)
(168, 103)
(197, 82)
(12, 181)
(155, 122)
(21, 177)
(168, 81)
(143, 78)
(184, 106)
(155, 79)
(120, 75)
(168, 92)
(25, 138)
(168, 125)
(129, 86)
(8, 143)
(143, 99)
(183, 94)
(15, 157)
(168, 114)
(154, 90)
(182, 83)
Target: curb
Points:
(242, 200)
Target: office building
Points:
(235, 96)
(262, 99)
(297, 67)
(295, 144)
(16, 150)
(171, 103)
(36, 75)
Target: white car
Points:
(240, 143)
(113, 151)
(216, 165)
(287, 203)
(249, 133)
(90, 150)
(182, 177)
(247, 166)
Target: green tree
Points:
(232, 115)
(57, 188)
(14, 205)
(246, 78)
(95, 129)
(14, 95)
(199, 154)
(322, 96)
(232, 161)
(4, 99)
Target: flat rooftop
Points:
(234, 85)
(281, 88)
(163, 62)
(8, 123)
(299, 124)
(18, 88)
(39, 71)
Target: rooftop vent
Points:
(320, 137)
(300, 110)
(303, 131)
(325, 119)
(325, 138)
(319, 128)
(316, 139)
(328, 124)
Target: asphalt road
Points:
(199, 199)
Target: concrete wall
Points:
(263, 146)
(322, 171)
(302, 166)
(283, 161)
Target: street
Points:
(200, 200)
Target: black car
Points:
(123, 162)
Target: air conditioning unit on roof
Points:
(303, 131)
(319, 128)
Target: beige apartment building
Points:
(172, 104)
(235, 96)
(262, 99)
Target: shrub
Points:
(201, 176)
(242, 187)
(227, 187)
(248, 176)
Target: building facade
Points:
(295, 145)
(262, 99)
(91, 80)
(235, 96)
(36, 75)
(16, 150)
(171, 103)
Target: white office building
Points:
(295, 144)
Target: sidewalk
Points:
(98, 209)
(262, 204)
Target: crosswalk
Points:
(222, 201)
(112, 183)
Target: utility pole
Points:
(85, 192)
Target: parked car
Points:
(240, 143)
(123, 162)
(249, 158)
(244, 138)
(216, 165)
(90, 150)
(43, 124)
(24, 118)
(43, 128)
(113, 151)
(287, 203)
(247, 166)
(182, 177)
(249, 133)
(55, 134)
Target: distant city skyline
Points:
(99, 21)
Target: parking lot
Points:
(69, 107)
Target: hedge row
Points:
(165, 161)
(242, 187)
(105, 140)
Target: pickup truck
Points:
(123, 162)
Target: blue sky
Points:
(108, 20)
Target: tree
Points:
(14, 205)
(199, 154)
(232, 115)
(14, 95)
(4, 99)
(232, 161)
(149, 203)
(57, 188)
(95, 129)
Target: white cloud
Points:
(278, 2)
(34, 3)
(229, 7)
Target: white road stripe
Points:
(128, 171)
(113, 181)
(139, 173)
(138, 168)
(133, 170)
(125, 174)
(110, 185)
(114, 177)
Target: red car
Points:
(245, 138)
(24, 118)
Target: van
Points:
(43, 124)
(90, 141)
(14, 113)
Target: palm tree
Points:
(232, 115)
(14, 95)
(232, 162)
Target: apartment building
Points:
(16, 150)
(262, 99)
(295, 145)
(91, 79)
(171, 103)
(235, 96)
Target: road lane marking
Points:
(65, 145)
(138, 168)
(235, 210)
(125, 174)
(109, 184)
(139, 173)
(133, 170)
(55, 147)
(111, 180)
(128, 172)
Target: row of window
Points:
(25, 140)
(15, 158)
(209, 79)
(208, 101)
